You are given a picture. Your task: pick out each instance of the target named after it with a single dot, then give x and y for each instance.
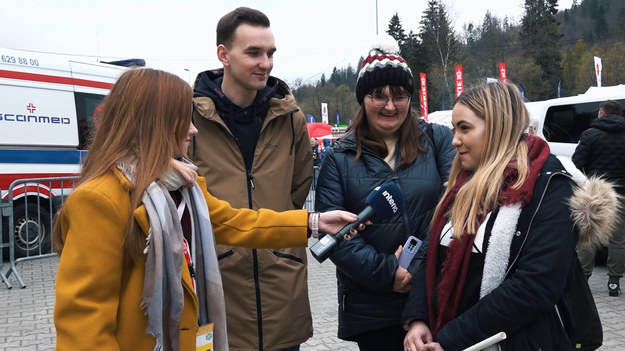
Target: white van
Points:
(561, 121)
(47, 104)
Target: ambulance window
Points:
(85, 106)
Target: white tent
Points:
(440, 117)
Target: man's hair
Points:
(233, 19)
(611, 107)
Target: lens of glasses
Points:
(380, 100)
(401, 101)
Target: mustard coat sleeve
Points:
(89, 274)
(255, 229)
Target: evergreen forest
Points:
(549, 52)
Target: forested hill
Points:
(548, 53)
(594, 21)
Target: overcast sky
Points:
(312, 36)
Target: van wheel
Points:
(29, 234)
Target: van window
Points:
(565, 123)
(85, 106)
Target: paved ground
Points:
(26, 314)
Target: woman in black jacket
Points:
(502, 241)
(386, 143)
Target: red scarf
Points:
(456, 263)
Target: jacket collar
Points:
(208, 97)
(594, 207)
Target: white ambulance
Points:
(47, 105)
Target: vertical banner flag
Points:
(503, 75)
(338, 118)
(459, 81)
(423, 96)
(311, 118)
(324, 112)
(598, 69)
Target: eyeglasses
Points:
(380, 100)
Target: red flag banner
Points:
(459, 81)
(423, 96)
(503, 75)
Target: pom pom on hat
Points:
(383, 66)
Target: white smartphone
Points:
(410, 249)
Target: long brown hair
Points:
(506, 118)
(409, 133)
(146, 113)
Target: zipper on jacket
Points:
(250, 178)
(529, 227)
(259, 310)
(404, 214)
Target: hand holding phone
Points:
(409, 250)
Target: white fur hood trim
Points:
(594, 210)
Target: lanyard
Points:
(186, 248)
(187, 258)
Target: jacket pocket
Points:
(225, 255)
(342, 296)
(288, 256)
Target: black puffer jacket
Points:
(366, 264)
(601, 150)
(531, 305)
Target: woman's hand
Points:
(419, 338)
(333, 221)
(186, 173)
(403, 279)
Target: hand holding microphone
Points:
(335, 220)
(384, 201)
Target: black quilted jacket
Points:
(366, 264)
(601, 150)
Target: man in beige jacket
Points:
(253, 148)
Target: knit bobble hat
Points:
(381, 68)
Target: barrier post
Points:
(29, 213)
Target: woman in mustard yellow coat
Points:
(138, 268)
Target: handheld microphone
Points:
(385, 201)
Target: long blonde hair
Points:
(501, 107)
(146, 113)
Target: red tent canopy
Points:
(318, 129)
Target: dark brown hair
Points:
(611, 107)
(409, 132)
(229, 23)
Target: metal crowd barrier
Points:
(27, 218)
(309, 204)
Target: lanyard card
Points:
(204, 338)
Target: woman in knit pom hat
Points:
(387, 142)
